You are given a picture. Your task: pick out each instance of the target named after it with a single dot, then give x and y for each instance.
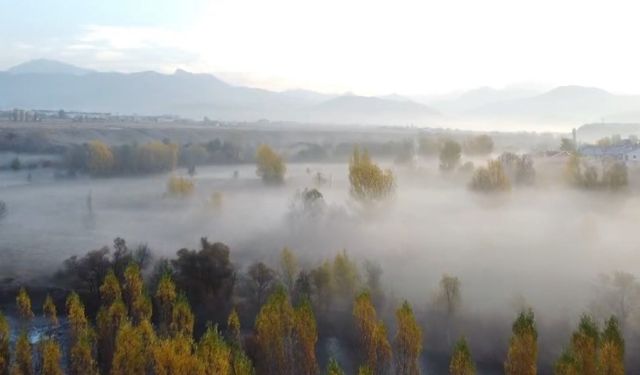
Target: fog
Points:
(543, 246)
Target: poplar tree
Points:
(523, 347)
(408, 342)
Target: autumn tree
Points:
(369, 182)
(270, 165)
(137, 300)
(182, 319)
(450, 155)
(175, 356)
(305, 339)
(334, 368)
(101, 160)
(584, 343)
(133, 351)
(22, 364)
(5, 355)
(81, 355)
(612, 349)
(112, 313)
(51, 356)
(24, 305)
(166, 296)
(491, 178)
(375, 346)
(523, 347)
(214, 353)
(322, 283)
(50, 311)
(408, 342)
(288, 268)
(233, 329)
(461, 361)
(479, 145)
(346, 277)
(180, 186)
(275, 325)
(566, 364)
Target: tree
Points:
(81, 355)
(109, 319)
(51, 356)
(615, 176)
(523, 347)
(233, 329)
(165, 299)
(262, 280)
(306, 337)
(566, 144)
(490, 179)
(22, 364)
(101, 160)
(461, 360)
(288, 268)
(182, 319)
(408, 342)
(345, 275)
(5, 355)
(214, 353)
(584, 343)
(270, 165)
(180, 186)
(450, 155)
(138, 302)
(566, 364)
(275, 325)
(49, 309)
(24, 305)
(479, 145)
(322, 280)
(369, 183)
(372, 334)
(175, 356)
(448, 297)
(518, 168)
(612, 349)
(208, 277)
(133, 354)
(334, 368)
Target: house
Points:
(625, 151)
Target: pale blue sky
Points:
(364, 46)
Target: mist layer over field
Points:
(543, 246)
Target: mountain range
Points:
(48, 84)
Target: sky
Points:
(365, 47)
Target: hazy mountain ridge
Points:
(53, 86)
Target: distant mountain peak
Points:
(46, 66)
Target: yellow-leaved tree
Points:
(369, 182)
(612, 349)
(376, 350)
(270, 165)
(134, 349)
(5, 355)
(166, 296)
(523, 347)
(461, 361)
(101, 160)
(175, 356)
(214, 353)
(408, 342)
(50, 311)
(51, 356)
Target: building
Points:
(625, 151)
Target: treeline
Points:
(197, 314)
(99, 159)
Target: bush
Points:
(180, 186)
(368, 181)
(491, 178)
(270, 166)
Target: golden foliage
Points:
(523, 347)
(133, 352)
(5, 354)
(110, 289)
(270, 165)
(372, 334)
(22, 364)
(275, 328)
(165, 298)
(139, 305)
(50, 311)
(306, 337)
(233, 328)
(461, 361)
(182, 318)
(51, 356)
(491, 178)
(214, 353)
(158, 156)
(334, 368)
(24, 305)
(369, 183)
(75, 315)
(180, 186)
(408, 342)
(101, 160)
(288, 267)
(81, 356)
(175, 356)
